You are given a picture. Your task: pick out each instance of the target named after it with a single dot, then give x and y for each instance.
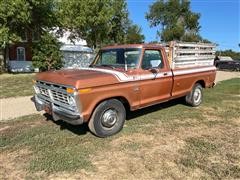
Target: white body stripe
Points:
(189, 71)
(119, 75)
(123, 77)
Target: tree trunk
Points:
(2, 60)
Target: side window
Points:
(152, 59)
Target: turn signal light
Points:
(70, 90)
(84, 90)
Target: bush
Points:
(46, 53)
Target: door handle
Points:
(165, 74)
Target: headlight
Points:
(36, 89)
(72, 101)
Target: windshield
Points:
(118, 57)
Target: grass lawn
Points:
(13, 85)
(168, 141)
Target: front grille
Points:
(44, 91)
(59, 96)
(53, 93)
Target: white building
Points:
(75, 53)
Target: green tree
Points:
(19, 16)
(176, 20)
(12, 15)
(86, 19)
(46, 54)
(119, 22)
(98, 22)
(134, 34)
(233, 54)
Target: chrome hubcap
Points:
(197, 95)
(109, 118)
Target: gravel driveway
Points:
(224, 75)
(21, 106)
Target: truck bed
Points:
(189, 55)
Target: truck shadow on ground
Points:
(83, 129)
(75, 129)
(134, 114)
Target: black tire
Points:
(195, 97)
(108, 118)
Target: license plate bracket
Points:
(48, 108)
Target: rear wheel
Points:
(108, 118)
(195, 97)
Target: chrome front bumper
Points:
(57, 113)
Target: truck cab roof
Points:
(133, 46)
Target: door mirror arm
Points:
(155, 71)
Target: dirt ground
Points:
(21, 106)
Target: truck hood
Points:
(81, 78)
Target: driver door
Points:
(156, 79)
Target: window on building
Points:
(35, 35)
(24, 36)
(21, 54)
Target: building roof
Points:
(72, 45)
(75, 48)
(66, 40)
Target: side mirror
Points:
(155, 71)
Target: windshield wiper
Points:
(92, 65)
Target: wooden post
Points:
(171, 54)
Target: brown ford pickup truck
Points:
(125, 77)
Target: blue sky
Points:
(220, 20)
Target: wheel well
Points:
(123, 100)
(201, 82)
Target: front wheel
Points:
(194, 98)
(108, 118)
